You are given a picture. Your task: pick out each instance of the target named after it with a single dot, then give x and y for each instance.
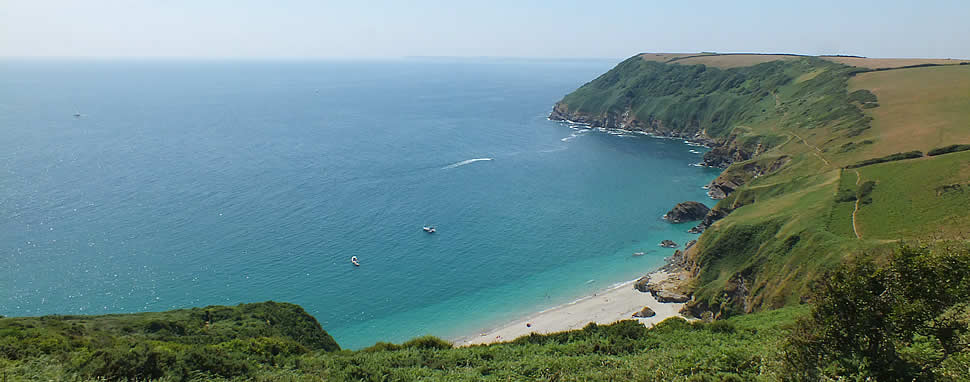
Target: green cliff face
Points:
(697, 101)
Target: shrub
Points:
(908, 320)
(427, 342)
(845, 196)
(864, 192)
(948, 149)
(888, 158)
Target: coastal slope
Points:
(824, 158)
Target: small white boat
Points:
(353, 259)
(429, 229)
(638, 254)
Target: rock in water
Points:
(668, 244)
(686, 211)
(646, 312)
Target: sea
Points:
(149, 185)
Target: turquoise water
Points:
(196, 183)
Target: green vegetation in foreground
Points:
(123, 346)
(908, 320)
(219, 340)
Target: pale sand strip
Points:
(605, 307)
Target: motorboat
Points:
(353, 259)
(638, 254)
(429, 229)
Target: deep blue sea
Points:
(192, 183)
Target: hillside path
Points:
(815, 149)
(858, 177)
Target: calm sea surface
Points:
(197, 183)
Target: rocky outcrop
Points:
(645, 312)
(641, 284)
(627, 121)
(686, 211)
(668, 244)
(720, 188)
(668, 296)
(712, 216)
(735, 177)
(722, 156)
(735, 299)
(677, 261)
(672, 277)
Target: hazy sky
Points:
(563, 28)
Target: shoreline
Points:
(616, 303)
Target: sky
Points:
(289, 29)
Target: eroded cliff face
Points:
(627, 121)
(733, 178)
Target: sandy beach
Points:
(604, 307)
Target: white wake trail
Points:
(464, 162)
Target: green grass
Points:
(840, 217)
(908, 200)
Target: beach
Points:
(617, 303)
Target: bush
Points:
(888, 158)
(864, 191)
(845, 196)
(427, 342)
(948, 149)
(908, 320)
(862, 96)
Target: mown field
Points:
(885, 63)
(919, 108)
(726, 61)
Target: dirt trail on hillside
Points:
(858, 177)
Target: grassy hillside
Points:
(220, 340)
(789, 226)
